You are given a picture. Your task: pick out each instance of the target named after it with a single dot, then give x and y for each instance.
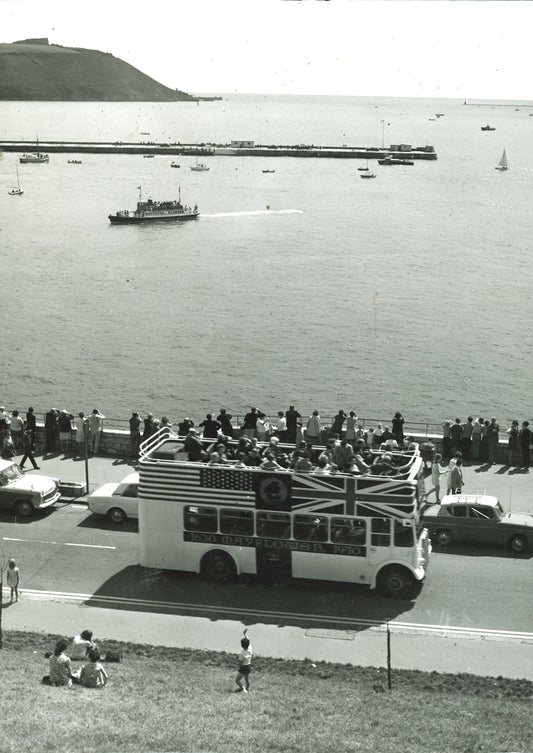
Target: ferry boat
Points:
(153, 211)
(390, 160)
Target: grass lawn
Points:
(163, 699)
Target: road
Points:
(70, 551)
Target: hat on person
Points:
(274, 440)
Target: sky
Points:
(411, 48)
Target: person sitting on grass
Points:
(81, 644)
(245, 665)
(92, 674)
(60, 667)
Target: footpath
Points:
(441, 650)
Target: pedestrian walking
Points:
(28, 452)
(13, 579)
(245, 665)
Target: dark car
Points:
(478, 518)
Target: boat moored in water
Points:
(488, 128)
(390, 160)
(367, 175)
(34, 157)
(153, 211)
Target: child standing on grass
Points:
(13, 578)
(245, 665)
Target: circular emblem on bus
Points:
(273, 491)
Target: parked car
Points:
(25, 493)
(117, 501)
(480, 518)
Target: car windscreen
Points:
(9, 474)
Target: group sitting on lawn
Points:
(90, 675)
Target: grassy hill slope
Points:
(42, 72)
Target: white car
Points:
(25, 493)
(117, 501)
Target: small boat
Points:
(18, 190)
(502, 164)
(199, 167)
(74, 161)
(367, 175)
(488, 128)
(432, 118)
(148, 156)
(269, 171)
(151, 211)
(390, 160)
(145, 133)
(34, 157)
(363, 168)
(439, 114)
(173, 164)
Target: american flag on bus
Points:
(196, 484)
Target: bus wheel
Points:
(518, 543)
(444, 537)
(218, 566)
(24, 508)
(395, 582)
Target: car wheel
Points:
(116, 515)
(518, 543)
(444, 537)
(218, 566)
(24, 508)
(395, 582)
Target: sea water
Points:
(308, 285)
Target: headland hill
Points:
(35, 70)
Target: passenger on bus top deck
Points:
(240, 460)
(269, 463)
(214, 459)
(322, 468)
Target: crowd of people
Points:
(61, 429)
(478, 439)
(364, 454)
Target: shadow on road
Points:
(480, 550)
(101, 523)
(302, 603)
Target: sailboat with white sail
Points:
(502, 164)
(18, 190)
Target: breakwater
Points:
(403, 151)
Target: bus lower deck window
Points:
(381, 531)
(237, 522)
(200, 519)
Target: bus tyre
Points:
(518, 543)
(116, 515)
(24, 508)
(444, 537)
(218, 566)
(395, 582)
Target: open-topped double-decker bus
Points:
(223, 521)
